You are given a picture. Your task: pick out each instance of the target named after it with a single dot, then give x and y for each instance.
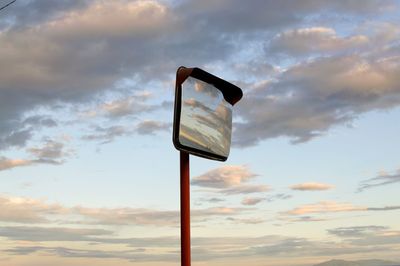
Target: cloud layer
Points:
(48, 228)
(32, 211)
(86, 48)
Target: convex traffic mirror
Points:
(203, 113)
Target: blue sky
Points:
(89, 174)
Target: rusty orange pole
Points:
(185, 209)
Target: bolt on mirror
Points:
(203, 113)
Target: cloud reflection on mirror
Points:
(206, 118)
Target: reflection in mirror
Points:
(206, 118)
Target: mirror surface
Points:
(206, 118)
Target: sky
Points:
(88, 171)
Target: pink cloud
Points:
(311, 186)
(251, 201)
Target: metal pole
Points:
(185, 209)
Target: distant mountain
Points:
(358, 263)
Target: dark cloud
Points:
(108, 134)
(380, 180)
(70, 63)
(40, 120)
(17, 132)
(386, 208)
(279, 196)
(310, 98)
(150, 127)
(237, 16)
(246, 220)
(255, 68)
(83, 48)
(41, 234)
(356, 231)
(51, 150)
(317, 211)
(24, 250)
(200, 201)
(27, 12)
(367, 235)
(124, 106)
(314, 40)
(130, 255)
(215, 200)
(297, 247)
(204, 248)
(69, 234)
(245, 189)
(15, 138)
(304, 219)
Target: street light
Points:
(202, 127)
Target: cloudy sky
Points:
(88, 171)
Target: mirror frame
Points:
(231, 93)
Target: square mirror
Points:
(203, 114)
